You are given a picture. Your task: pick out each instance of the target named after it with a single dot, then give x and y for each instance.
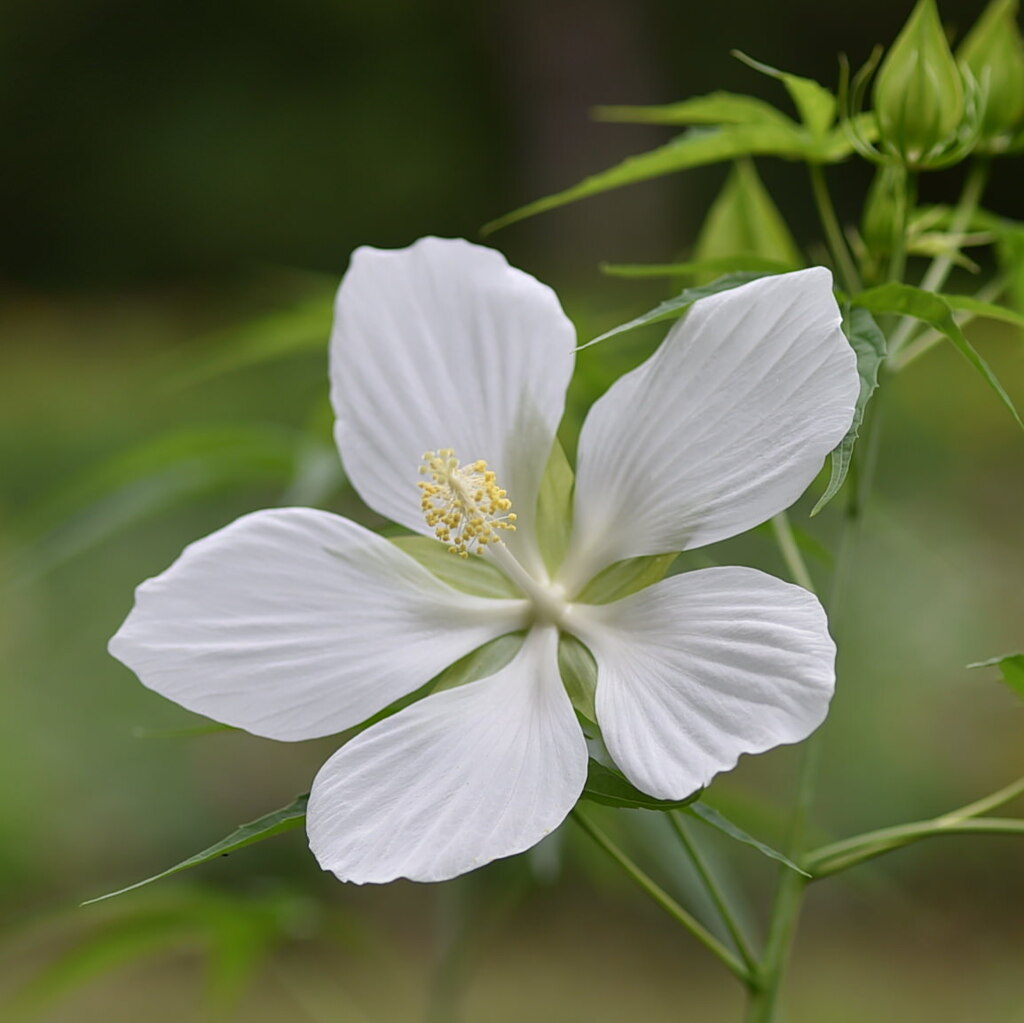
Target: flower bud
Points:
(918, 96)
(994, 53)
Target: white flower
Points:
(294, 623)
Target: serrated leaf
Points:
(474, 574)
(722, 265)
(611, 788)
(695, 148)
(815, 104)
(933, 309)
(267, 826)
(578, 669)
(743, 220)
(673, 308)
(554, 508)
(1011, 667)
(625, 577)
(714, 108)
(714, 819)
(868, 342)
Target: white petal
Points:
(702, 667)
(444, 345)
(296, 623)
(723, 427)
(461, 778)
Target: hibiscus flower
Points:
(448, 376)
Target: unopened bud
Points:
(918, 96)
(994, 53)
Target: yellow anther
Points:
(463, 504)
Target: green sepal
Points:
(1011, 667)
(868, 342)
(554, 508)
(610, 787)
(673, 308)
(815, 104)
(578, 669)
(744, 220)
(470, 575)
(625, 577)
(714, 819)
(275, 823)
(479, 663)
(935, 310)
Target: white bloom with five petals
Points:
(448, 376)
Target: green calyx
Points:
(993, 53)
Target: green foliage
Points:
(477, 664)
(673, 308)
(626, 577)
(554, 508)
(815, 104)
(698, 267)
(267, 826)
(716, 820)
(578, 669)
(608, 786)
(1011, 667)
(715, 108)
(934, 310)
(868, 342)
(744, 222)
(474, 574)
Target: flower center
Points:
(463, 504)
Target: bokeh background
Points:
(181, 186)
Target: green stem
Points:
(662, 898)
(833, 231)
(939, 270)
(830, 859)
(714, 890)
(790, 551)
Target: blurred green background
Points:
(178, 179)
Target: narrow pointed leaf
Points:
(673, 308)
(815, 104)
(714, 819)
(286, 819)
(745, 263)
(934, 310)
(1011, 667)
(695, 148)
(869, 344)
(743, 220)
(987, 310)
(715, 108)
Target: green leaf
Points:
(815, 104)
(276, 823)
(697, 147)
(578, 669)
(554, 508)
(715, 820)
(1011, 667)
(474, 574)
(934, 310)
(743, 221)
(868, 342)
(625, 577)
(477, 664)
(673, 308)
(988, 310)
(715, 108)
(720, 265)
(611, 788)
